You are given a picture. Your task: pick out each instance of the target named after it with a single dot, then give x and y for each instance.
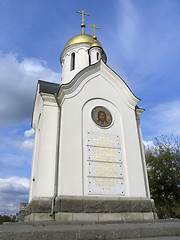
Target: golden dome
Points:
(95, 44)
(82, 38)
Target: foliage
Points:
(163, 165)
(4, 219)
(14, 218)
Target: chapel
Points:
(88, 161)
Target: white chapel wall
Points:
(104, 177)
(72, 165)
(81, 61)
(43, 168)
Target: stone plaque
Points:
(103, 140)
(104, 164)
(103, 169)
(107, 186)
(104, 154)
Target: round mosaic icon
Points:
(101, 116)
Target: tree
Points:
(13, 218)
(163, 166)
(4, 219)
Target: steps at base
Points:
(114, 231)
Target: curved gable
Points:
(91, 72)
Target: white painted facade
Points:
(81, 60)
(82, 89)
(43, 165)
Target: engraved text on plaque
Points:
(105, 170)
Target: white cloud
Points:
(148, 143)
(148, 41)
(26, 143)
(32, 66)
(15, 140)
(18, 80)
(14, 184)
(163, 119)
(29, 133)
(128, 27)
(167, 117)
(13, 191)
(16, 150)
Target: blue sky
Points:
(141, 40)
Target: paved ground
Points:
(160, 230)
(154, 238)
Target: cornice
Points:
(121, 85)
(48, 99)
(77, 80)
(139, 111)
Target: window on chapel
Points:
(72, 61)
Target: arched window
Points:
(72, 61)
(97, 56)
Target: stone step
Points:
(155, 238)
(87, 231)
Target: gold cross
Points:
(94, 32)
(82, 25)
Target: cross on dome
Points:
(94, 32)
(83, 20)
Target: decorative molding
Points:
(139, 111)
(99, 68)
(48, 99)
(74, 48)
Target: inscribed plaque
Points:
(104, 164)
(103, 169)
(104, 154)
(103, 140)
(105, 186)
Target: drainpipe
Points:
(57, 158)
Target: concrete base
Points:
(91, 217)
(91, 209)
(103, 217)
(38, 217)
